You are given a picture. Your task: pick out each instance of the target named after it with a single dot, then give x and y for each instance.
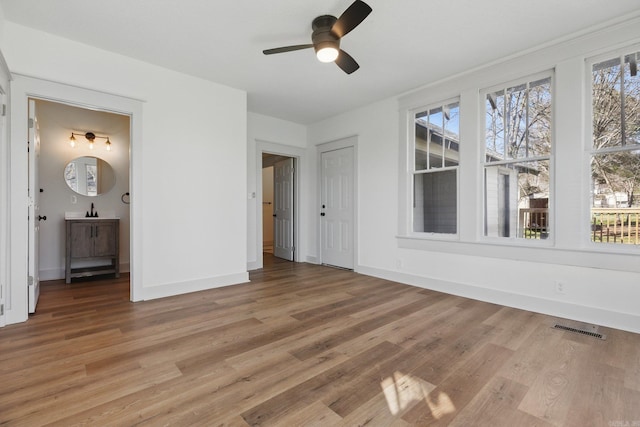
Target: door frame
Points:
(5, 167)
(338, 144)
(298, 163)
(33, 206)
(22, 88)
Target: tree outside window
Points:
(615, 157)
(518, 143)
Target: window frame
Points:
(484, 164)
(412, 171)
(590, 151)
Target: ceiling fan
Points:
(327, 32)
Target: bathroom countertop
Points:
(81, 215)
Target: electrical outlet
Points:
(74, 200)
(560, 287)
(398, 263)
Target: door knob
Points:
(42, 218)
(321, 213)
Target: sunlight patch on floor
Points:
(402, 391)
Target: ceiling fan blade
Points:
(351, 18)
(286, 49)
(346, 62)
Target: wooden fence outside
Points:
(608, 225)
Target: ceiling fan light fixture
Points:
(327, 54)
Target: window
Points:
(70, 175)
(435, 175)
(517, 160)
(615, 151)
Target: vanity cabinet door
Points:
(80, 239)
(104, 237)
(91, 240)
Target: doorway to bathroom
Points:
(78, 165)
(23, 90)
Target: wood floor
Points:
(307, 345)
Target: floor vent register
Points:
(589, 330)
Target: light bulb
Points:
(90, 145)
(327, 54)
(72, 141)
(108, 145)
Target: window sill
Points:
(434, 236)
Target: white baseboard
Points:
(312, 259)
(624, 321)
(171, 289)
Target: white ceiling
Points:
(402, 45)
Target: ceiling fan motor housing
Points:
(322, 36)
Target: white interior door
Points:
(337, 213)
(283, 209)
(34, 209)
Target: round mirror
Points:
(89, 176)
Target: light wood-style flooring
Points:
(305, 345)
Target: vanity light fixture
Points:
(89, 136)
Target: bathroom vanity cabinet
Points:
(92, 247)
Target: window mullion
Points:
(505, 124)
(428, 141)
(623, 129)
(526, 121)
(444, 137)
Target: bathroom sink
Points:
(82, 215)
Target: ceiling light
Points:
(327, 54)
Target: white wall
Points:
(601, 287)
(276, 136)
(56, 122)
(376, 127)
(189, 162)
